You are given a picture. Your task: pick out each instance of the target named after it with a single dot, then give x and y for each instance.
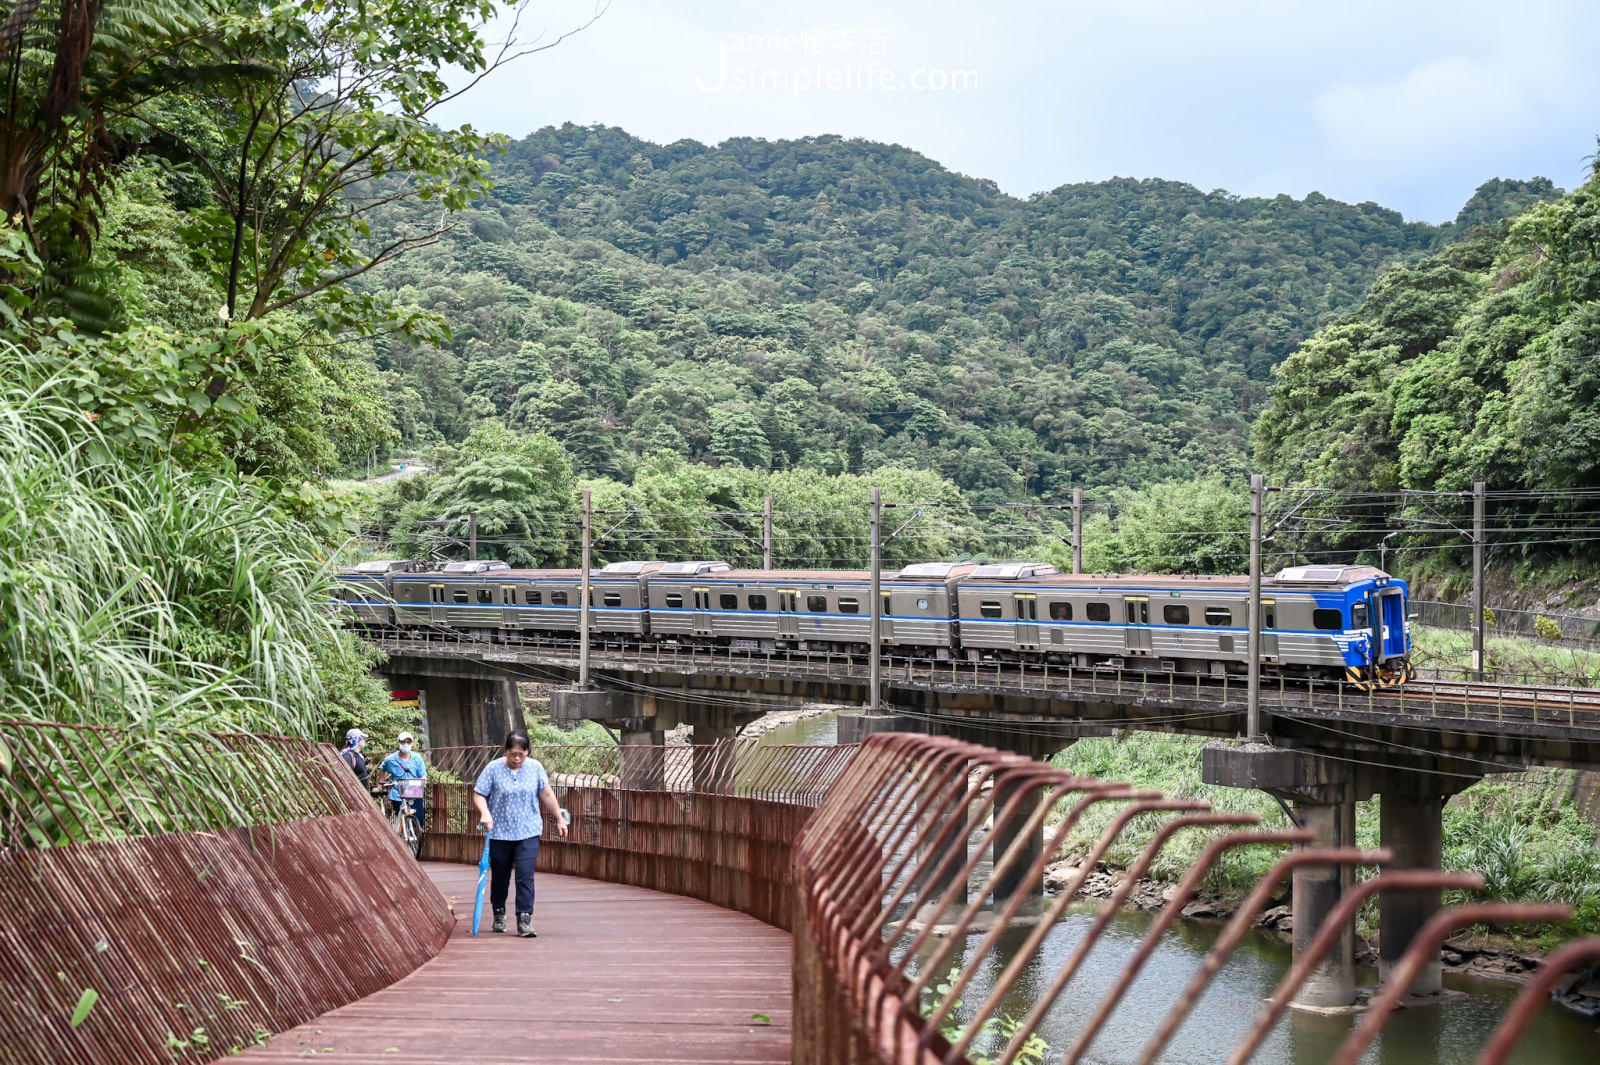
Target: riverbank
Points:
(1478, 952)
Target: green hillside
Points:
(842, 306)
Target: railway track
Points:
(1481, 701)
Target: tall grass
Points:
(144, 595)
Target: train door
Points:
(702, 611)
(1026, 611)
(1392, 624)
(1136, 637)
(788, 623)
(885, 619)
(436, 608)
(509, 618)
(1269, 622)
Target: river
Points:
(1450, 1032)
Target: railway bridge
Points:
(1330, 743)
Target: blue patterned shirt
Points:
(513, 798)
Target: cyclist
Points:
(351, 756)
(405, 764)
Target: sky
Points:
(1408, 103)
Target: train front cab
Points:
(1380, 605)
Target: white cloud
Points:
(1439, 106)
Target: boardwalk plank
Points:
(688, 975)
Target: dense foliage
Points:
(1476, 364)
(187, 191)
(843, 306)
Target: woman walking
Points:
(508, 797)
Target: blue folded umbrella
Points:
(483, 882)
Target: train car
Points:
(1342, 622)
(765, 610)
(365, 591)
(493, 596)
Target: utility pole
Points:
(1077, 530)
(877, 601)
(583, 598)
(766, 533)
(1479, 498)
(472, 536)
(1253, 641)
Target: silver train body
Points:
(1324, 621)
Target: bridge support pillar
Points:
(1324, 792)
(644, 759)
(1411, 824)
(855, 728)
(941, 861)
(1317, 890)
(709, 773)
(464, 712)
(1013, 807)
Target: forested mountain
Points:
(1475, 364)
(843, 306)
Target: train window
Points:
(612, 598)
(989, 608)
(1219, 615)
(674, 600)
(922, 604)
(534, 598)
(848, 605)
(558, 598)
(1269, 615)
(1060, 611)
(1358, 616)
(460, 595)
(817, 604)
(484, 596)
(1327, 618)
(757, 602)
(1027, 609)
(1098, 611)
(729, 601)
(1175, 614)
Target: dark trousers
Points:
(503, 854)
(417, 807)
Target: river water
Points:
(1450, 1032)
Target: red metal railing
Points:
(883, 954)
(713, 822)
(175, 897)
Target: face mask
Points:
(405, 746)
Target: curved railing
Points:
(177, 897)
(896, 957)
(714, 822)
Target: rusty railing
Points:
(175, 898)
(929, 854)
(715, 822)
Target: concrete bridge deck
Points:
(617, 975)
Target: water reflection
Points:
(1449, 1033)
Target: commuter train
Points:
(1324, 622)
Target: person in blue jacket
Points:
(406, 764)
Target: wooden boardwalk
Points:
(617, 974)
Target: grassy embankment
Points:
(1514, 659)
(1524, 834)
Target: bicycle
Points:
(404, 818)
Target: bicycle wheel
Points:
(412, 837)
